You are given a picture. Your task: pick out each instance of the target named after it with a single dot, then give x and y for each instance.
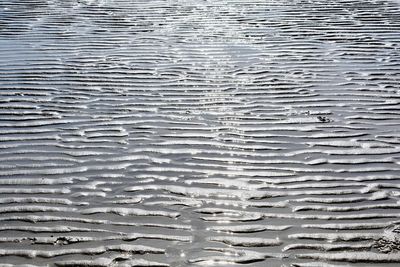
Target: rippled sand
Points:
(189, 133)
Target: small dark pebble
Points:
(323, 119)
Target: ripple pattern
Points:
(183, 133)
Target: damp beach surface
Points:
(191, 133)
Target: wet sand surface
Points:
(189, 133)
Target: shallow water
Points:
(189, 133)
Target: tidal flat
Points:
(172, 133)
